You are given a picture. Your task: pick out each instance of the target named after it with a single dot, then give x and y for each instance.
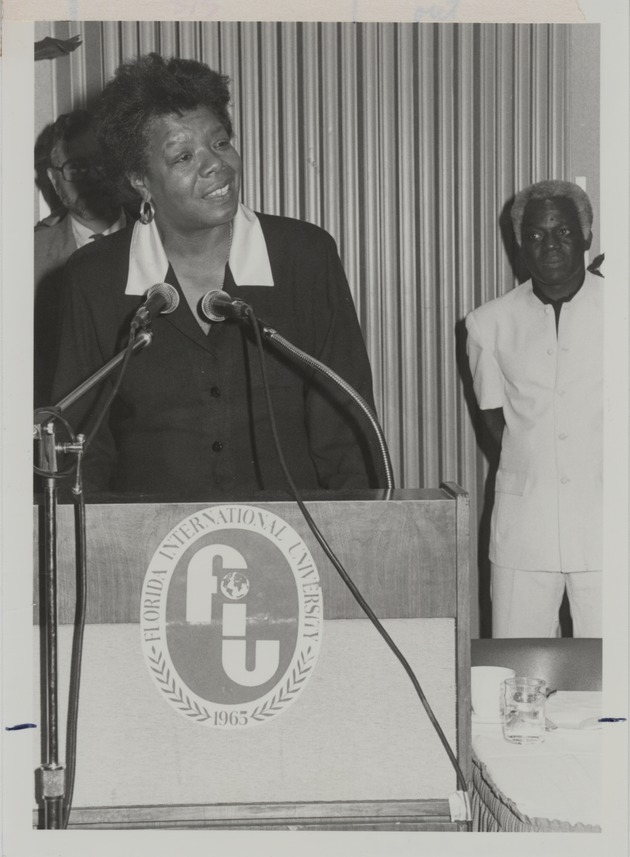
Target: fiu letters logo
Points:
(231, 616)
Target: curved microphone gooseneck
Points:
(218, 305)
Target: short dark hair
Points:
(553, 189)
(148, 87)
(66, 127)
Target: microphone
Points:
(217, 306)
(160, 298)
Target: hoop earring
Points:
(146, 211)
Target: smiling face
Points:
(193, 176)
(553, 245)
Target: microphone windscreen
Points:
(168, 292)
(212, 302)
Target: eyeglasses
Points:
(78, 168)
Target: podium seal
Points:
(231, 616)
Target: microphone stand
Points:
(52, 772)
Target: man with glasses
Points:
(90, 208)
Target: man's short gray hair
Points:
(553, 189)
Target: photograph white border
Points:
(19, 840)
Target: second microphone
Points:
(217, 305)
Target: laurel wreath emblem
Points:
(234, 706)
(269, 708)
(285, 694)
(174, 692)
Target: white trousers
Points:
(527, 603)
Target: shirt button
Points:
(562, 436)
(547, 310)
(215, 392)
(550, 351)
(217, 446)
(565, 480)
(561, 392)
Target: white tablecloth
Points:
(555, 785)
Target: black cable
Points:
(99, 419)
(77, 655)
(81, 598)
(81, 578)
(339, 567)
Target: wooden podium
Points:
(355, 751)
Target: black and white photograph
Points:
(315, 434)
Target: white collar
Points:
(83, 234)
(249, 260)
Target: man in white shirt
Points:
(536, 356)
(90, 207)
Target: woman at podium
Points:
(189, 418)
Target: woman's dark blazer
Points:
(190, 419)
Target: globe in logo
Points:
(235, 585)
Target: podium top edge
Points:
(346, 495)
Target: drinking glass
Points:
(524, 710)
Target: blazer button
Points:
(217, 446)
(215, 392)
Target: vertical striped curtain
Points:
(406, 142)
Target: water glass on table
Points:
(524, 710)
